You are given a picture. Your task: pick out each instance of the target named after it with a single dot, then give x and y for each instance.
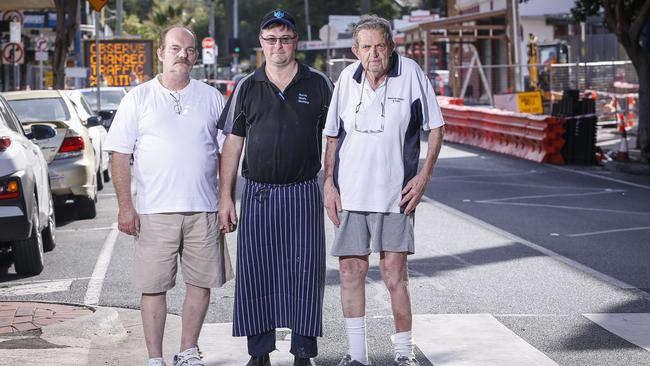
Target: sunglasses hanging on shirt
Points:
(178, 108)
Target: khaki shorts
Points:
(194, 236)
(361, 233)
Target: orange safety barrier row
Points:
(532, 137)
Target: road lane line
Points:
(473, 339)
(84, 229)
(633, 327)
(609, 231)
(565, 207)
(36, 288)
(560, 258)
(600, 177)
(97, 279)
(556, 195)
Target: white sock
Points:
(403, 343)
(158, 361)
(357, 346)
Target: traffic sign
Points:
(42, 44)
(98, 4)
(14, 32)
(13, 53)
(41, 56)
(207, 42)
(13, 16)
(208, 56)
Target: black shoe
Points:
(299, 361)
(259, 361)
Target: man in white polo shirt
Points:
(372, 185)
(169, 125)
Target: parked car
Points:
(98, 136)
(73, 162)
(110, 98)
(27, 223)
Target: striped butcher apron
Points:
(280, 259)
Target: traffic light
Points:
(234, 45)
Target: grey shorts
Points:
(194, 237)
(361, 233)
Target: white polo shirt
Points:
(175, 155)
(377, 155)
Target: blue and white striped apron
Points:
(280, 259)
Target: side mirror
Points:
(107, 118)
(93, 121)
(41, 132)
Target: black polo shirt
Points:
(282, 129)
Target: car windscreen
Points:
(110, 98)
(43, 109)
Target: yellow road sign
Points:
(98, 4)
(530, 102)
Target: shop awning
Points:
(26, 4)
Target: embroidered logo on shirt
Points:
(302, 98)
(395, 99)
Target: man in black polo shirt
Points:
(279, 111)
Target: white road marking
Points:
(633, 327)
(472, 339)
(609, 231)
(606, 191)
(84, 229)
(600, 177)
(36, 288)
(560, 258)
(567, 207)
(97, 279)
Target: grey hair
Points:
(376, 23)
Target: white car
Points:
(109, 98)
(98, 135)
(75, 158)
(27, 224)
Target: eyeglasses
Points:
(178, 108)
(383, 110)
(271, 41)
(189, 51)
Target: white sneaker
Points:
(157, 362)
(189, 357)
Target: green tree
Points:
(630, 21)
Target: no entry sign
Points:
(13, 53)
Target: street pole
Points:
(119, 4)
(97, 60)
(211, 30)
(16, 68)
(307, 20)
(516, 45)
(235, 32)
(365, 7)
(40, 76)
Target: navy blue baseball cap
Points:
(278, 16)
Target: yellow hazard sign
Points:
(98, 4)
(530, 102)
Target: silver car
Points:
(73, 162)
(27, 223)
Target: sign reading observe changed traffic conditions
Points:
(121, 61)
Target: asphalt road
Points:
(517, 263)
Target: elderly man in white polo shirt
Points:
(372, 185)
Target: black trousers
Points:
(301, 346)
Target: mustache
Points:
(182, 61)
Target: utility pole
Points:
(516, 44)
(307, 20)
(98, 61)
(365, 7)
(119, 5)
(211, 31)
(235, 32)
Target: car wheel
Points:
(100, 181)
(49, 233)
(28, 253)
(86, 207)
(107, 176)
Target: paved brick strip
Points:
(23, 316)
